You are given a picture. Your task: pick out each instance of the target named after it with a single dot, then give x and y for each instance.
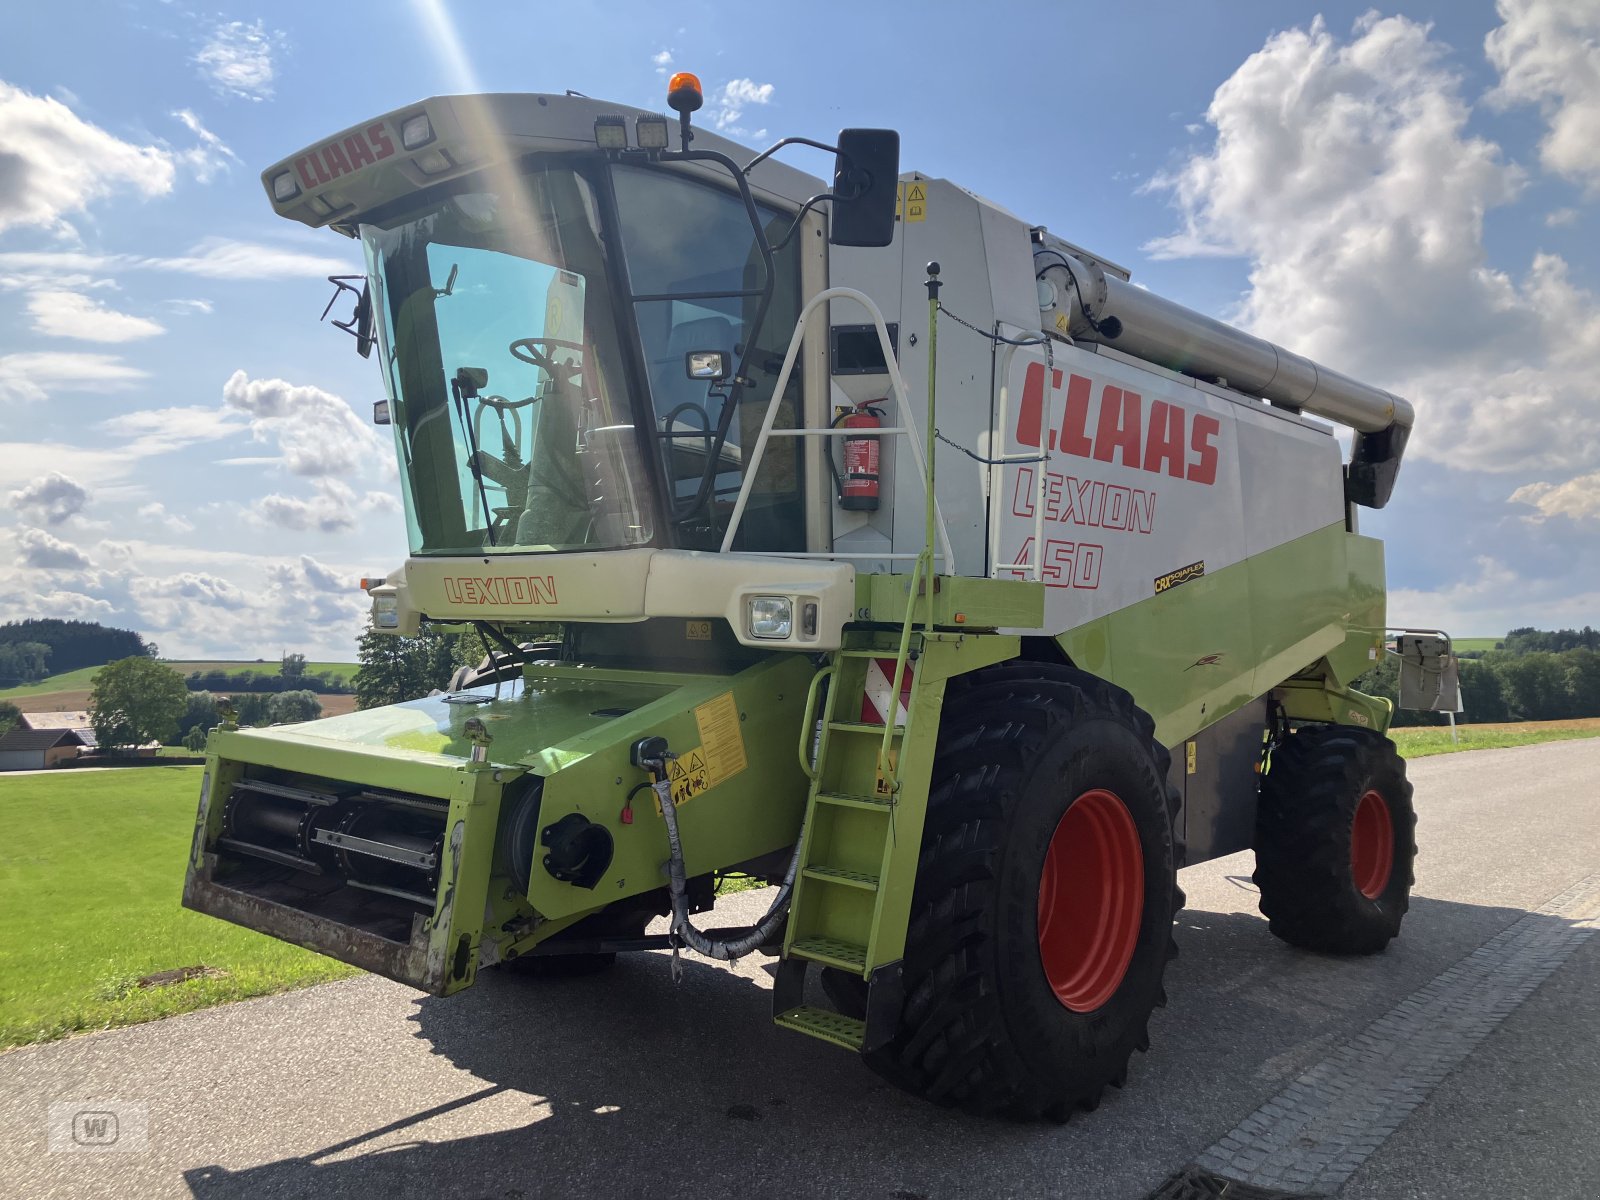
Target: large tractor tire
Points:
(1335, 840)
(1041, 921)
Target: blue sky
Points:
(1410, 193)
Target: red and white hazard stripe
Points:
(879, 694)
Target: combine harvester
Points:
(857, 536)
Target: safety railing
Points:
(906, 428)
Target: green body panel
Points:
(734, 817)
(957, 601)
(1196, 652)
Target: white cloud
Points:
(52, 162)
(1562, 217)
(237, 59)
(728, 105)
(157, 513)
(662, 60)
(211, 258)
(186, 308)
(1548, 54)
(1344, 172)
(43, 551)
(1577, 498)
(154, 431)
(318, 435)
(332, 509)
(211, 157)
(31, 375)
(54, 497)
(74, 315)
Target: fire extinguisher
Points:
(858, 486)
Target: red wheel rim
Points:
(1372, 845)
(1091, 900)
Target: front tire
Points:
(1335, 840)
(1041, 921)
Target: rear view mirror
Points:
(706, 364)
(866, 176)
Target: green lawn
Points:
(1421, 741)
(83, 678)
(1488, 643)
(91, 870)
(69, 681)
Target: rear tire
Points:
(1047, 784)
(1335, 840)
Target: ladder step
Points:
(864, 727)
(845, 800)
(832, 952)
(855, 879)
(889, 654)
(829, 1026)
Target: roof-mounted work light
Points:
(650, 133)
(611, 133)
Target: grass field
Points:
(70, 689)
(1421, 741)
(1488, 643)
(91, 870)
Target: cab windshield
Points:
(538, 388)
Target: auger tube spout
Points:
(1102, 306)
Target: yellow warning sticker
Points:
(718, 720)
(1062, 323)
(689, 777)
(916, 201)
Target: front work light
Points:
(386, 612)
(770, 617)
(706, 364)
(611, 133)
(650, 133)
(416, 132)
(284, 186)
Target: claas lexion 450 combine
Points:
(855, 535)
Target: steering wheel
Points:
(529, 350)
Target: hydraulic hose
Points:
(725, 949)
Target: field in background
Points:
(90, 879)
(1488, 643)
(1420, 741)
(70, 690)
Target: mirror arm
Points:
(780, 144)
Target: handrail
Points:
(809, 724)
(1041, 461)
(897, 385)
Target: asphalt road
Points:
(626, 1083)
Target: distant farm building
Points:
(24, 749)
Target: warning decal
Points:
(688, 775)
(912, 202)
(718, 720)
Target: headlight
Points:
(284, 186)
(650, 133)
(769, 617)
(386, 612)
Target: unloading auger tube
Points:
(651, 754)
(1102, 307)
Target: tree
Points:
(293, 666)
(199, 712)
(9, 715)
(195, 739)
(75, 644)
(252, 709)
(1535, 685)
(393, 669)
(286, 708)
(23, 662)
(136, 700)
